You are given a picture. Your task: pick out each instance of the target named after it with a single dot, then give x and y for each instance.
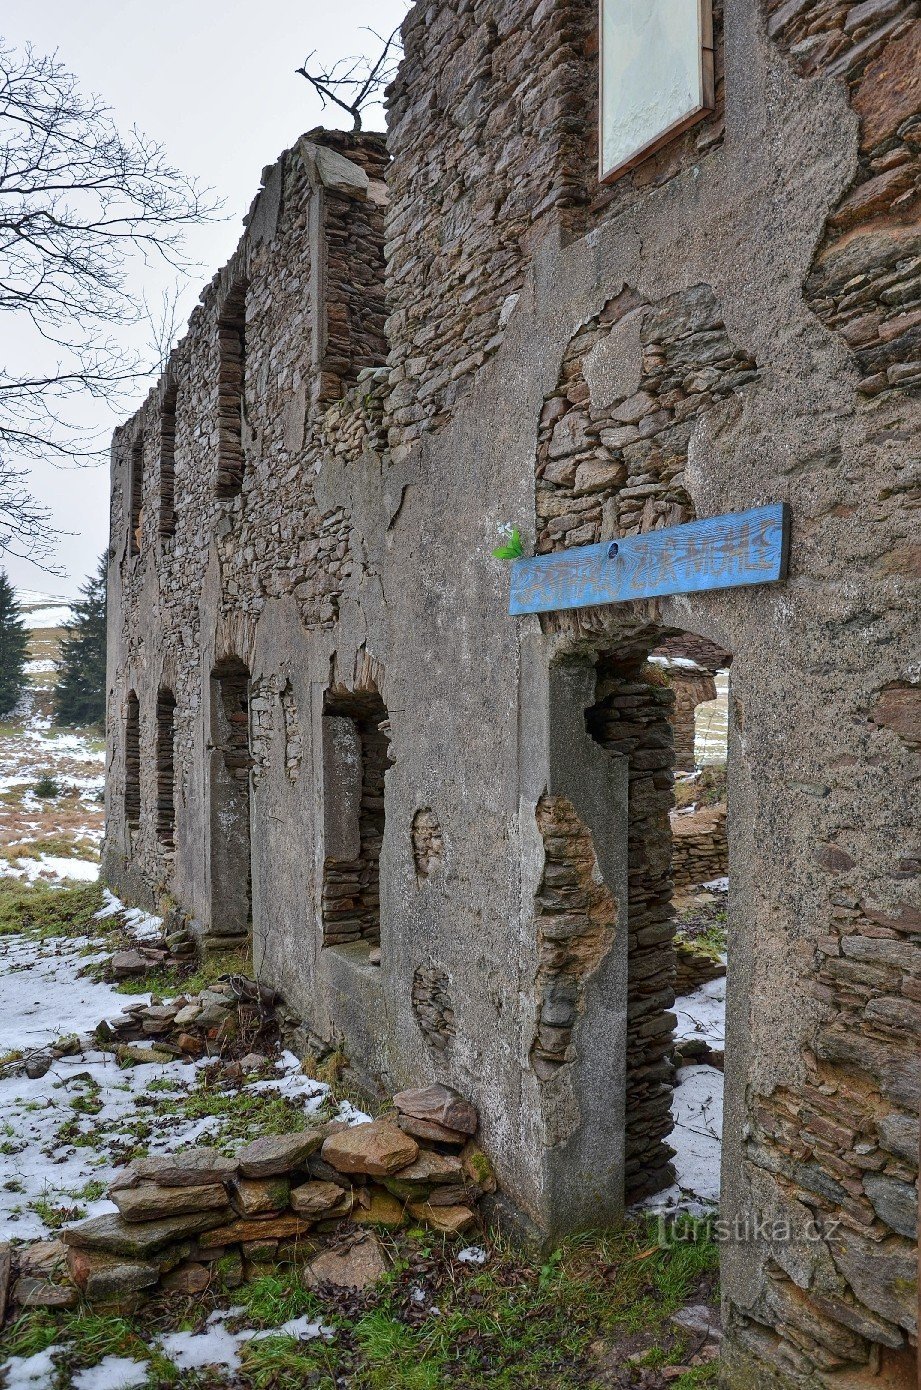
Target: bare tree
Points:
(79, 201)
(356, 82)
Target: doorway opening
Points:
(662, 704)
(231, 761)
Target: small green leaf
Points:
(514, 550)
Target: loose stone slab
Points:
(260, 1196)
(375, 1206)
(428, 1129)
(361, 1265)
(258, 1228)
(450, 1220)
(30, 1292)
(378, 1149)
(320, 1199)
(439, 1104)
(429, 1170)
(150, 1202)
(194, 1168)
(107, 1277)
(278, 1153)
(113, 1234)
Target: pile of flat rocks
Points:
(191, 1220)
(191, 1025)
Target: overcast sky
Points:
(214, 81)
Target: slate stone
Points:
(894, 1202)
(357, 1267)
(379, 1149)
(429, 1170)
(6, 1265)
(107, 1279)
(149, 1202)
(449, 1220)
(278, 1153)
(321, 1199)
(440, 1104)
(30, 1292)
(900, 1135)
(258, 1228)
(260, 1196)
(112, 1234)
(194, 1168)
(187, 1279)
(377, 1207)
(430, 1131)
(883, 1275)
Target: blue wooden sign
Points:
(722, 552)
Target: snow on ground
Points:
(711, 721)
(216, 1345)
(53, 867)
(42, 997)
(55, 616)
(95, 1102)
(697, 1106)
(703, 1013)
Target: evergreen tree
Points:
(81, 692)
(14, 643)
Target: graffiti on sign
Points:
(723, 552)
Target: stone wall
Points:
(699, 848)
(631, 719)
(731, 324)
(690, 690)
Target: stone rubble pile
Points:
(191, 1220)
(232, 1011)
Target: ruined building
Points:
(446, 829)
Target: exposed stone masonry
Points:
(690, 689)
(614, 435)
(472, 195)
(865, 282)
(576, 924)
(166, 770)
(699, 848)
(132, 761)
(632, 718)
(432, 1006)
(428, 841)
(231, 336)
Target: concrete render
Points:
(486, 711)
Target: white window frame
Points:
(707, 83)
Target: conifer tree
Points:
(14, 644)
(81, 691)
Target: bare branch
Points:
(80, 201)
(355, 82)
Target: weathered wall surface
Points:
(706, 335)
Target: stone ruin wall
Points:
(259, 550)
(492, 189)
(516, 153)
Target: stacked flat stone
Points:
(695, 966)
(700, 850)
(190, 1025)
(188, 1220)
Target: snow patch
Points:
(112, 1373)
(35, 1372)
